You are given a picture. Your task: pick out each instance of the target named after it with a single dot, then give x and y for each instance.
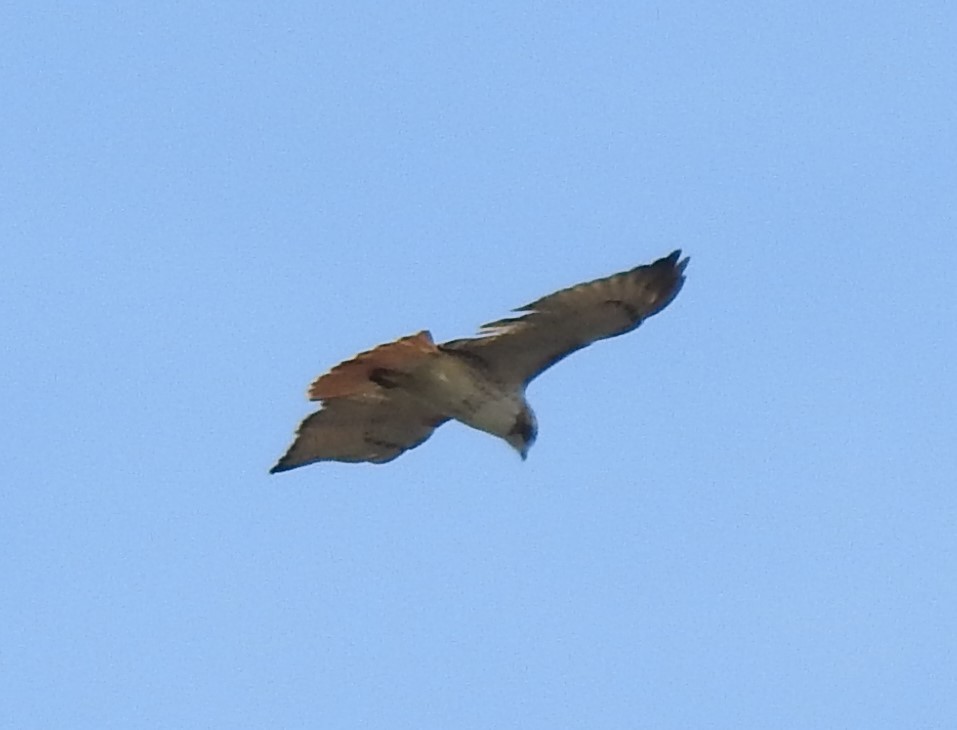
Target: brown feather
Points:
(374, 427)
(519, 348)
(353, 376)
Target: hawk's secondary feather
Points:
(376, 427)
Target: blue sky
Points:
(742, 515)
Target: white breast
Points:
(465, 394)
(494, 416)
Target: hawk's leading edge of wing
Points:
(519, 348)
(375, 426)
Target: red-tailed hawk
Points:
(391, 398)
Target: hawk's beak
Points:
(522, 435)
(522, 449)
(520, 445)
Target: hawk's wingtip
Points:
(675, 260)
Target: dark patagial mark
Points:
(467, 355)
(382, 443)
(632, 312)
(385, 377)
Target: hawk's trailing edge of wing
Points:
(391, 398)
(551, 328)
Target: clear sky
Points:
(743, 515)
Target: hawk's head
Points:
(523, 432)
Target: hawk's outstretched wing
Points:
(373, 426)
(517, 349)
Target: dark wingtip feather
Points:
(671, 268)
(672, 260)
(683, 263)
(286, 463)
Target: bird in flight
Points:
(390, 399)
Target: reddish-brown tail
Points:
(352, 376)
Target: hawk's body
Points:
(390, 399)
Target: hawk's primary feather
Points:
(520, 348)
